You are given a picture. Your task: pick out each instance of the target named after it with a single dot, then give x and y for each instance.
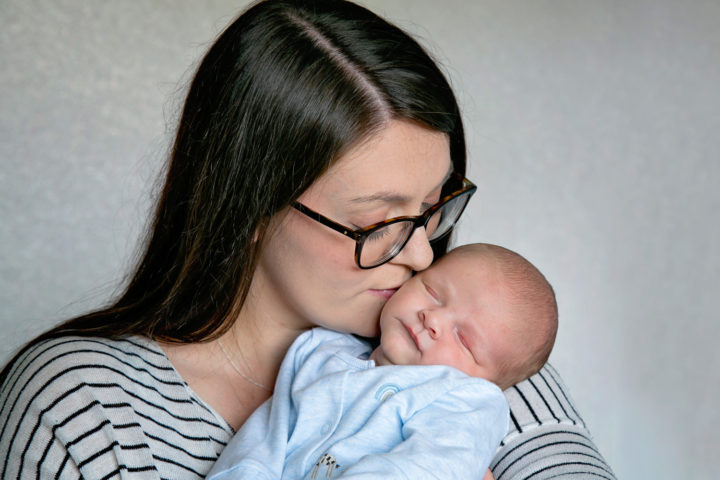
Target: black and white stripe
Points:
(95, 408)
(101, 409)
(547, 437)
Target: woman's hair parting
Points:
(283, 92)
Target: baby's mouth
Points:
(413, 336)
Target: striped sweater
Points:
(99, 409)
(547, 437)
(108, 409)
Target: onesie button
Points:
(326, 428)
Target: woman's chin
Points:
(370, 332)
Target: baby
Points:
(481, 319)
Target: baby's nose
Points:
(432, 324)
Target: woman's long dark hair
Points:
(283, 92)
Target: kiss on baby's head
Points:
(481, 308)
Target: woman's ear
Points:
(262, 230)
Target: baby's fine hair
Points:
(533, 299)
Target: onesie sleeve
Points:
(455, 436)
(547, 437)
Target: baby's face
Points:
(454, 313)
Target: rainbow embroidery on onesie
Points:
(386, 391)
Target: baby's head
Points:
(481, 308)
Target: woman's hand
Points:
(488, 475)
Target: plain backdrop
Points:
(593, 136)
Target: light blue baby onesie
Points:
(335, 415)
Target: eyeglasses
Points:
(379, 243)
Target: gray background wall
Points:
(593, 135)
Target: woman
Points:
(307, 125)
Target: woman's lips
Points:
(384, 293)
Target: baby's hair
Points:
(533, 299)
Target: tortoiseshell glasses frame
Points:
(390, 236)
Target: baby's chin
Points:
(378, 356)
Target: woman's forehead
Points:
(401, 162)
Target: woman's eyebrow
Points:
(389, 197)
(449, 172)
(396, 197)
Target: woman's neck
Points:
(255, 352)
(234, 382)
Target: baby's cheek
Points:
(460, 360)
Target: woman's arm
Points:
(547, 437)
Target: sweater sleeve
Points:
(60, 421)
(547, 437)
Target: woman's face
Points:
(307, 276)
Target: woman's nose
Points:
(417, 253)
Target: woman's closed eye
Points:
(378, 234)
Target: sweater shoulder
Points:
(94, 403)
(57, 366)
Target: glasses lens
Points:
(444, 219)
(384, 243)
